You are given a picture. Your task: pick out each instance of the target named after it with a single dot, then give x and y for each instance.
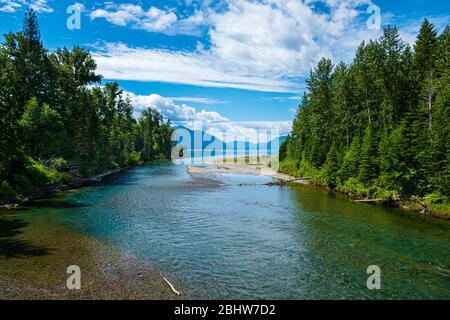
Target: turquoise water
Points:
(230, 236)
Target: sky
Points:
(236, 65)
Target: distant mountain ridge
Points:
(212, 144)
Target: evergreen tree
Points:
(351, 161)
(368, 169)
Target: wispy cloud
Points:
(200, 100)
(120, 62)
(14, 5)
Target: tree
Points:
(331, 166)
(381, 122)
(368, 169)
(319, 86)
(424, 58)
(43, 130)
(350, 163)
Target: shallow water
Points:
(229, 236)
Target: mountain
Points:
(212, 146)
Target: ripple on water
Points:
(229, 236)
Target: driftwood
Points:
(282, 182)
(178, 293)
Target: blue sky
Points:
(237, 64)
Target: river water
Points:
(225, 236)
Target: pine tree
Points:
(319, 101)
(331, 166)
(351, 161)
(425, 51)
(368, 169)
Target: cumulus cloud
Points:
(37, 5)
(211, 122)
(264, 45)
(153, 19)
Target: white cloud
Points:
(9, 6)
(200, 100)
(212, 122)
(153, 19)
(37, 5)
(262, 45)
(120, 62)
(40, 6)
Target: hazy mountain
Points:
(237, 147)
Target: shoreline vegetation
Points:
(61, 126)
(378, 128)
(73, 184)
(264, 166)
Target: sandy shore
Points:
(263, 168)
(34, 256)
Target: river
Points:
(229, 236)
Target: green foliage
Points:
(41, 176)
(355, 187)
(134, 158)
(42, 130)
(330, 169)
(60, 164)
(50, 111)
(379, 127)
(7, 193)
(350, 164)
(435, 198)
(289, 166)
(368, 169)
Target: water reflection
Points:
(230, 236)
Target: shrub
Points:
(37, 173)
(7, 193)
(60, 164)
(307, 170)
(113, 165)
(87, 170)
(289, 167)
(23, 182)
(355, 187)
(40, 176)
(435, 198)
(134, 158)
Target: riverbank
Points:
(75, 183)
(35, 254)
(264, 167)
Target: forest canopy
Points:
(56, 124)
(378, 127)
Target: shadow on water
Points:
(52, 203)
(11, 247)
